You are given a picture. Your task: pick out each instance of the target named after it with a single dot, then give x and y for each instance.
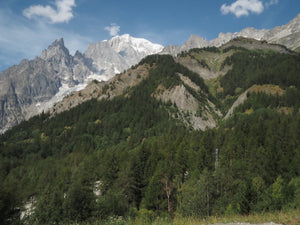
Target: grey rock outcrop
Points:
(194, 42)
(170, 50)
(188, 106)
(288, 35)
(31, 82)
(34, 86)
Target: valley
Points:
(127, 133)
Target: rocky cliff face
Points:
(288, 35)
(188, 106)
(34, 86)
(22, 87)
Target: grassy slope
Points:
(290, 217)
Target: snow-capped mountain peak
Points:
(119, 53)
(140, 45)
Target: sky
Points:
(29, 26)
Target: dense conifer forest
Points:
(130, 157)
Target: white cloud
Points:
(271, 2)
(19, 40)
(243, 7)
(113, 29)
(62, 13)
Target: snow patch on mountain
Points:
(120, 53)
(64, 91)
(140, 45)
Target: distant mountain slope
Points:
(186, 91)
(287, 35)
(159, 139)
(33, 86)
(227, 72)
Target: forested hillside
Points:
(137, 155)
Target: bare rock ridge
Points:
(34, 86)
(287, 35)
(194, 42)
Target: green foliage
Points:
(258, 67)
(79, 203)
(154, 194)
(196, 195)
(232, 47)
(207, 49)
(112, 203)
(294, 192)
(8, 205)
(278, 193)
(199, 50)
(146, 216)
(258, 189)
(147, 164)
(49, 208)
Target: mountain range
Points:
(190, 97)
(35, 86)
(287, 35)
(213, 131)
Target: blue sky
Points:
(28, 27)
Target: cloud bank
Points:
(113, 29)
(62, 13)
(243, 7)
